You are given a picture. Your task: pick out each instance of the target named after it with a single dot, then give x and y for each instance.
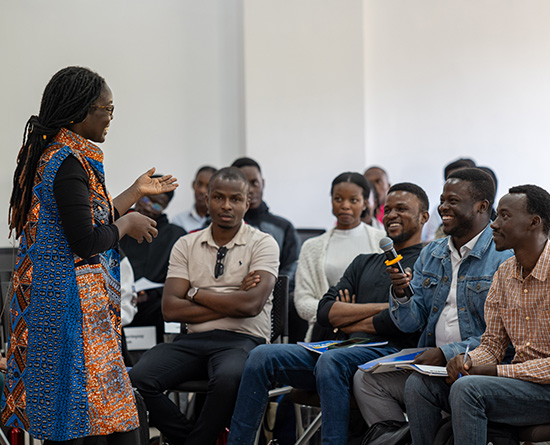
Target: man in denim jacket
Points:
(451, 279)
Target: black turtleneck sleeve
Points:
(72, 195)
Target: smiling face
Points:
(347, 205)
(512, 223)
(457, 208)
(227, 202)
(403, 219)
(96, 124)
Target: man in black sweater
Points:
(150, 260)
(259, 216)
(357, 306)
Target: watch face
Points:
(192, 291)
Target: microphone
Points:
(393, 259)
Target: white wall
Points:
(304, 101)
(175, 68)
(446, 79)
(308, 87)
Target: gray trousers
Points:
(380, 396)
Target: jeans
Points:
(330, 374)
(476, 399)
(217, 356)
(425, 398)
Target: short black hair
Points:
(229, 174)
(415, 190)
(246, 162)
(456, 165)
(538, 202)
(482, 186)
(205, 168)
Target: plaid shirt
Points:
(517, 310)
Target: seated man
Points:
(150, 260)
(358, 306)
(516, 312)
(224, 322)
(259, 216)
(451, 279)
(196, 218)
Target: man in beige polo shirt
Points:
(226, 308)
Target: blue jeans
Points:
(476, 399)
(330, 374)
(425, 398)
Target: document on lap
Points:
(322, 346)
(392, 362)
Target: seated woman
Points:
(324, 259)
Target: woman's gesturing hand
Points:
(138, 226)
(146, 185)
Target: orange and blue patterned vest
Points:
(66, 377)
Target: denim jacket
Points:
(431, 284)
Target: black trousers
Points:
(217, 356)
(128, 438)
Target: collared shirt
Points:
(447, 329)
(518, 311)
(190, 220)
(194, 256)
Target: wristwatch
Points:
(191, 294)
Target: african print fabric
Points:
(66, 377)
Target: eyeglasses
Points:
(154, 205)
(109, 108)
(218, 270)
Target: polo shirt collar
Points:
(238, 240)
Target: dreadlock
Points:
(66, 100)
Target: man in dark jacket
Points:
(150, 260)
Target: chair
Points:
(279, 331)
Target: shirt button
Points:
(527, 318)
(528, 343)
(525, 291)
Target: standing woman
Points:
(324, 259)
(66, 378)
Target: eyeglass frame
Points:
(108, 108)
(219, 267)
(154, 205)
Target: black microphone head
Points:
(386, 244)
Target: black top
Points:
(284, 233)
(150, 260)
(72, 194)
(367, 279)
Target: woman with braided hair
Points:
(66, 378)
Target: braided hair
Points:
(66, 101)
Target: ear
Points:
(483, 206)
(207, 201)
(247, 203)
(536, 223)
(424, 217)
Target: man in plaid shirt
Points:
(517, 311)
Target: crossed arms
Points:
(247, 301)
